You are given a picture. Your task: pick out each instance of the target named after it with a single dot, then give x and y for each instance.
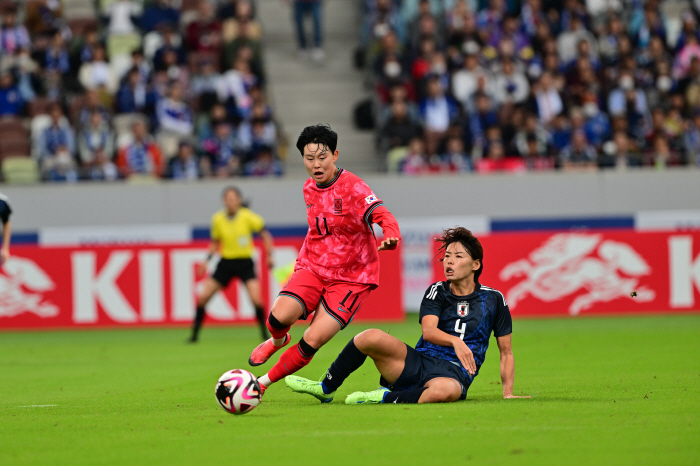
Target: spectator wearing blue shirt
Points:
(170, 43)
(597, 125)
(625, 92)
(96, 138)
(173, 114)
(92, 104)
(13, 37)
(264, 164)
(11, 102)
(185, 165)
(579, 154)
(56, 57)
(57, 148)
(159, 13)
(484, 117)
(222, 159)
(56, 63)
(561, 132)
(653, 25)
(134, 95)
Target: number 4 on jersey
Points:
(461, 328)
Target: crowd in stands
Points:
(504, 85)
(110, 89)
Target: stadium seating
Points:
(62, 68)
(20, 170)
(548, 73)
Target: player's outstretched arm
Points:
(507, 366)
(382, 217)
(388, 243)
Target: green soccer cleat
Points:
(313, 388)
(373, 397)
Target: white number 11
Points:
(460, 328)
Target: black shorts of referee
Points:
(228, 269)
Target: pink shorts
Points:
(341, 300)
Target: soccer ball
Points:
(238, 391)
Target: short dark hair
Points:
(467, 239)
(317, 134)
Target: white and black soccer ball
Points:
(238, 391)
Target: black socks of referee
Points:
(260, 315)
(347, 362)
(199, 318)
(197, 324)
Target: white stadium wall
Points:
(547, 195)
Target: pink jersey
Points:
(340, 244)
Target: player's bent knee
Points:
(282, 318)
(442, 392)
(368, 339)
(286, 313)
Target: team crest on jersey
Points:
(338, 206)
(463, 309)
(370, 199)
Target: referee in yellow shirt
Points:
(232, 231)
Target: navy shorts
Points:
(228, 269)
(420, 368)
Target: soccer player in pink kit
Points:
(338, 265)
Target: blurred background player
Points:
(5, 212)
(232, 230)
(457, 317)
(338, 265)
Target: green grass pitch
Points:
(607, 391)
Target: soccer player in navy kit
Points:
(457, 317)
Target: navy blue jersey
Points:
(470, 317)
(5, 209)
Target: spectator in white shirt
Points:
(173, 114)
(549, 102)
(511, 85)
(122, 16)
(465, 82)
(96, 74)
(234, 85)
